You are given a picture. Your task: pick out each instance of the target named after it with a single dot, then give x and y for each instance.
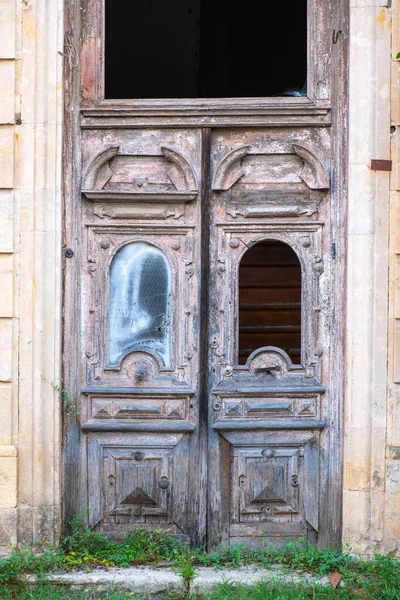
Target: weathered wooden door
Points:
(203, 314)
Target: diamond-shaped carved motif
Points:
(102, 408)
(141, 481)
(233, 409)
(135, 475)
(268, 479)
(265, 483)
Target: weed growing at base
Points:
(377, 578)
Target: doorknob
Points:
(164, 483)
(141, 373)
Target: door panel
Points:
(139, 295)
(267, 427)
(138, 480)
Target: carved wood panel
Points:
(199, 182)
(138, 480)
(268, 415)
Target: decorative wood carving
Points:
(183, 308)
(230, 170)
(142, 211)
(137, 482)
(245, 167)
(258, 405)
(98, 171)
(267, 368)
(150, 406)
(274, 479)
(182, 176)
(314, 173)
(115, 177)
(270, 211)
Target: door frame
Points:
(95, 112)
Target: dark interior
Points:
(270, 300)
(205, 48)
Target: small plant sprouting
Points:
(71, 408)
(185, 565)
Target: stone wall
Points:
(31, 43)
(30, 291)
(371, 492)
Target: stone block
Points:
(378, 520)
(6, 157)
(357, 469)
(360, 342)
(6, 287)
(369, 87)
(46, 524)
(396, 416)
(7, 28)
(8, 528)
(364, 3)
(143, 581)
(6, 221)
(395, 33)
(5, 413)
(25, 474)
(45, 479)
(395, 147)
(378, 452)
(361, 208)
(396, 286)
(396, 354)
(392, 523)
(5, 349)
(8, 479)
(357, 521)
(25, 525)
(393, 477)
(7, 85)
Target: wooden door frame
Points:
(95, 112)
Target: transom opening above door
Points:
(205, 49)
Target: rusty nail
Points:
(335, 36)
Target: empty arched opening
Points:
(270, 300)
(140, 303)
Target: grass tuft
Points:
(377, 578)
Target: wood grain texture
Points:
(245, 419)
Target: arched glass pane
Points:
(140, 303)
(270, 300)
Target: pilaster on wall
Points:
(8, 321)
(31, 35)
(365, 472)
(393, 440)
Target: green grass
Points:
(276, 591)
(377, 578)
(46, 593)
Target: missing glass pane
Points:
(140, 303)
(205, 48)
(270, 300)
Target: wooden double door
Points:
(202, 330)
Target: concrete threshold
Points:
(155, 581)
